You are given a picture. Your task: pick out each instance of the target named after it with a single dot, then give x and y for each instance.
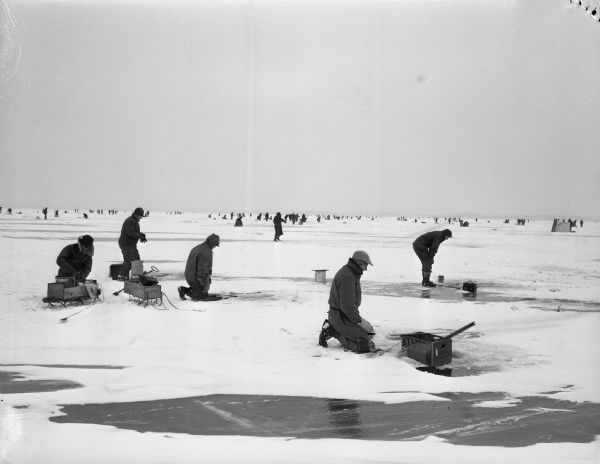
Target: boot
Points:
(182, 292)
(325, 334)
(426, 282)
(363, 345)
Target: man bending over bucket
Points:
(426, 246)
(198, 269)
(344, 321)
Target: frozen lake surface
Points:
(244, 380)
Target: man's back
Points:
(129, 232)
(199, 261)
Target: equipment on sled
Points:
(66, 290)
(141, 287)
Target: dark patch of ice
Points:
(459, 420)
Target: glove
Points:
(366, 326)
(143, 238)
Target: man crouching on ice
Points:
(344, 321)
(198, 269)
(75, 260)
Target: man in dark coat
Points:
(75, 260)
(344, 321)
(277, 220)
(198, 269)
(426, 246)
(130, 234)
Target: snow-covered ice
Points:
(536, 314)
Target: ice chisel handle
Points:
(462, 329)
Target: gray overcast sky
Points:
(401, 107)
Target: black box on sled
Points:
(430, 349)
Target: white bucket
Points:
(320, 275)
(137, 268)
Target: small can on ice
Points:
(440, 279)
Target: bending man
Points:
(426, 246)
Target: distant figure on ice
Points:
(277, 220)
(238, 222)
(343, 320)
(45, 212)
(426, 246)
(198, 269)
(130, 234)
(75, 260)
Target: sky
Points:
(401, 107)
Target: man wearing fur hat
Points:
(130, 234)
(198, 269)
(344, 321)
(75, 260)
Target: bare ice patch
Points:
(476, 419)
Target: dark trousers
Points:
(129, 255)
(197, 290)
(423, 255)
(347, 332)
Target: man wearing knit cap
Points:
(344, 321)
(130, 235)
(198, 269)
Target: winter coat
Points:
(71, 260)
(429, 242)
(199, 263)
(277, 220)
(130, 233)
(345, 293)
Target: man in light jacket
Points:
(198, 269)
(344, 321)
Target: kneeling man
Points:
(198, 269)
(344, 321)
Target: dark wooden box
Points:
(470, 287)
(427, 348)
(143, 292)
